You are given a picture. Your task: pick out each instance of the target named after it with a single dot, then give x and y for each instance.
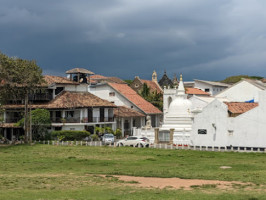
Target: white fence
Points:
(161, 146)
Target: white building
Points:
(123, 95)
(178, 117)
(210, 86)
(231, 124)
(244, 90)
(70, 104)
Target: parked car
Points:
(134, 141)
(108, 138)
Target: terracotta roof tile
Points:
(79, 70)
(240, 107)
(9, 125)
(153, 86)
(99, 78)
(58, 79)
(66, 100)
(196, 91)
(123, 111)
(136, 99)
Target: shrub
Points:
(95, 137)
(118, 133)
(66, 135)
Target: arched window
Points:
(169, 101)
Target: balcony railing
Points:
(41, 97)
(12, 120)
(83, 120)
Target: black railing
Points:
(12, 120)
(83, 120)
(41, 97)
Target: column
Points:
(171, 135)
(81, 115)
(131, 126)
(4, 117)
(156, 135)
(122, 127)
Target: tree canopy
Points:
(235, 79)
(18, 78)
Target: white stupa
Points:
(179, 116)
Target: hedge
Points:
(66, 135)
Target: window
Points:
(111, 94)
(202, 131)
(136, 85)
(207, 90)
(230, 132)
(72, 129)
(69, 114)
(164, 136)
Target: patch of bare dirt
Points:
(177, 183)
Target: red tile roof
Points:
(153, 86)
(68, 100)
(98, 78)
(240, 107)
(58, 79)
(136, 99)
(123, 111)
(196, 91)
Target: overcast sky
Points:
(202, 39)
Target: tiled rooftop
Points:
(136, 99)
(152, 85)
(68, 100)
(196, 91)
(240, 107)
(123, 111)
(58, 79)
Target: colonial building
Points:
(210, 86)
(70, 104)
(231, 124)
(136, 110)
(138, 83)
(165, 81)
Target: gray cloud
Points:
(203, 39)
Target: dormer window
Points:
(111, 94)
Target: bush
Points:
(95, 137)
(118, 133)
(66, 135)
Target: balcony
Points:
(83, 120)
(12, 120)
(41, 97)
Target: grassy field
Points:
(73, 172)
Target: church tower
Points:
(154, 77)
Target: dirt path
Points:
(177, 183)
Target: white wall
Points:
(245, 130)
(103, 91)
(213, 115)
(73, 127)
(240, 92)
(75, 88)
(213, 89)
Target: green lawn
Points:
(60, 172)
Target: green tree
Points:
(154, 98)
(145, 91)
(40, 121)
(18, 79)
(235, 79)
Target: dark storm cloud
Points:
(204, 39)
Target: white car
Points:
(134, 141)
(108, 139)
